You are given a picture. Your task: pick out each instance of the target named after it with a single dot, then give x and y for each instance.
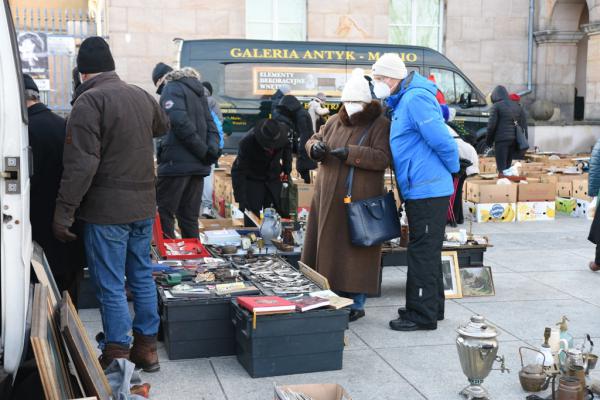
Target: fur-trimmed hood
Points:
(187, 76)
(366, 116)
(185, 72)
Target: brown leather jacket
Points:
(109, 155)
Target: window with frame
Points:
(452, 85)
(416, 22)
(276, 19)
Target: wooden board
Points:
(313, 275)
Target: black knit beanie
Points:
(207, 85)
(94, 56)
(160, 70)
(29, 83)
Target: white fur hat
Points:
(390, 65)
(357, 88)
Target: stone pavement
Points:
(540, 273)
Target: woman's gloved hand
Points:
(319, 151)
(340, 152)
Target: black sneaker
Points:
(356, 314)
(405, 325)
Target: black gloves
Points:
(319, 151)
(341, 153)
(62, 233)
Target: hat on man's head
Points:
(270, 134)
(357, 88)
(160, 70)
(390, 65)
(321, 96)
(207, 85)
(94, 56)
(29, 83)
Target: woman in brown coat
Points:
(352, 271)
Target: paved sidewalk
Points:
(540, 274)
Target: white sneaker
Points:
(208, 212)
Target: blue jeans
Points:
(359, 299)
(113, 252)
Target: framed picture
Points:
(84, 356)
(48, 348)
(477, 281)
(452, 285)
(42, 270)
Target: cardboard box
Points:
(492, 212)
(305, 194)
(536, 191)
(564, 189)
(319, 391)
(585, 209)
(485, 192)
(580, 189)
(536, 211)
(566, 205)
(219, 223)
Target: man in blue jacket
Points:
(425, 156)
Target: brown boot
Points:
(112, 351)
(143, 352)
(594, 267)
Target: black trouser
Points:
(305, 174)
(457, 207)
(597, 259)
(179, 196)
(505, 152)
(260, 194)
(424, 285)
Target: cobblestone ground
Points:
(540, 273)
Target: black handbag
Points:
(522, 142)
(371, 221)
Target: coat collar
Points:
(36, 109)
(96, 81)
(368, 115)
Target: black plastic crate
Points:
(295, 343)
(196, 328)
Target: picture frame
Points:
(477, 281)
(451, 275)
(84, 356)
(44, 275)
(48, 348)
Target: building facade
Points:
(487, 39)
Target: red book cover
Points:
(307, 303)
(261, 304)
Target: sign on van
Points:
(313, 55)
(302, 80)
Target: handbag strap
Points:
(350, 178)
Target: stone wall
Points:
(487, 39)
(141, 32)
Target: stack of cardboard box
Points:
(490, 202)
(536, 200)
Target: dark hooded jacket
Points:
(275, 100)
(503, 114)
(291, 112)
(192, 144)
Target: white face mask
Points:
(381, 90)
(353, 108)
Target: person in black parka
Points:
(47, 133)
(264, 159)
(297, 119)
(186, 153)
(501, 130)
(594, 190)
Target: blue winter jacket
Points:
(424, 153)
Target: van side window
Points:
(451, 84)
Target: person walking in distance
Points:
(109, 176)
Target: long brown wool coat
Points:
(327, 247)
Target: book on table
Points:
(336, 302)
(265, 304)
(306, 303)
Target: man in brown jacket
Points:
(108, 179)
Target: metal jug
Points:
(569, 388)
(271, 225)
(477, 349)
(532, 376)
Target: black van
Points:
(246, 73)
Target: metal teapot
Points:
(533, 378)
(271, 225)
(477, 349)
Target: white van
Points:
(15, 230)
